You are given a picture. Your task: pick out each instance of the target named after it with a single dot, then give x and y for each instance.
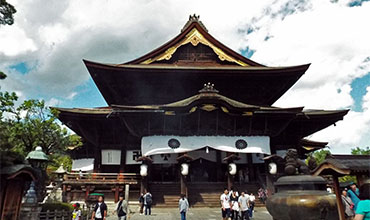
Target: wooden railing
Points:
(99, 178)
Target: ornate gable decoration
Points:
(194, 37)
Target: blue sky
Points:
(42, 52)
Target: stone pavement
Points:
(194, 214)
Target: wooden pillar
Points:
(230, 180)
(219, 174)
(116, 194)
(87, 192)
(96, 161)
(123, 161)
(270, 184)
(144, 184)
(339, 198)
(184, 187)
(251, 172)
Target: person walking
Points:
(348, 206)
(121, 208)
(76, 214)
(225, 204)
(234, 206)
(363, 206)
(141, 202)
(262, 195)
(148, 201)
(354, 193)
(183, 206)
(100, 210)
(252, 199)
(244, 205)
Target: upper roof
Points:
(178, 68)
(194, 33)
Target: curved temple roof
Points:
(177, 69)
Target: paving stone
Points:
(194, 214)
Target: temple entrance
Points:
(202, 170)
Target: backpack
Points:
(148, 199)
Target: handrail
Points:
(102, 177)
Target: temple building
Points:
(191, 116)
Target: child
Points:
(76, 214)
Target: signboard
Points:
(110, 157)
(153, 145)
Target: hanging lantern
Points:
(184, 169)
(144, 170)
(272, 168)
(232, 168)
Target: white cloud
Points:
(54, 36)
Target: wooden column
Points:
(144, 184)
(123, 161)
(230, 180)
(251, 173)
(116, 194)
(87, 192)
(339, 198)
(184, 187)
(270, 184)
(219, 174)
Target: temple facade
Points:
(190, 114)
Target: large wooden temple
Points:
(195, 101)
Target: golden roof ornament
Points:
(194, 18)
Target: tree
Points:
(360, 151)
(33, 124)
(2, 75)
(6, 13)
(319, 155)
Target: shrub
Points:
(56, 206)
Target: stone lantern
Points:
(37, 158)
(60, 173)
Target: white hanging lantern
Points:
(184, 169)
(232, 169)
(272, 168)
(144, 170)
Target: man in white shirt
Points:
(225, 204)
(244, 205)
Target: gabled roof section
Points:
(194, 33)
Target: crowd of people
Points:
(356, 202)
(235, 206)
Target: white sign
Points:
(153, 145)
(110, 157)
(132, 156)
(86, 164)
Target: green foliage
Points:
(33, 124)
(360, 151)
(347, 179)
(6, 13)
(2, 75)
(56, 206)
(319, 155)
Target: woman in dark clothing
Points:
(234, 206)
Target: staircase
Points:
(200, 194)
(165, 194)
(208, 194)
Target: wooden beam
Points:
(339, 198)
